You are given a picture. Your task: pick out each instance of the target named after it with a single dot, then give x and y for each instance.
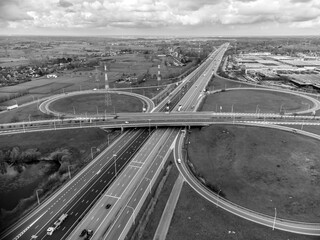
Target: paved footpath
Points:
(167, 214)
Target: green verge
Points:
(197, 218)
(156, 214)
(77, 142)
(260, 168)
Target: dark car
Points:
(84, 232)
(89, 234)
(108, 206)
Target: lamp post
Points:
(281, 108)
(16, 101)
(69, 171)
(29, 118)
(74, 110)
(97, 110)
(149, 183)
(218, 197)
(257, 107)
(38, 195)
(149, 125)
(32, 97)
(92, 152)
(115, 164)
(232, 108)
(275, 217)
(133, 218)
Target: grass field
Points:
(22, 114)
(196, 218)
(96, 103)
(21, 186)
(261, 168)
(155, 217)
(255, 101)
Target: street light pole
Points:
(218, 198)
(38, 195)
(133, 218)
(149, 183)
(275, 217)
(149, 125)
(97, 110)
(92, 152)
(29, 118)
(281, 108)
(74, 110)
(69, 171)
(257, 107)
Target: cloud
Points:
(11, 11)
(300, 1)
(148, 14)
(64, 3)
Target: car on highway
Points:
(126, 122)
(83, 232)
(108, 206)
(179, 160)
(94, 89)
(89, 234)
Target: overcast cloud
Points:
(160, 17)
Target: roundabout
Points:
(299, 225)
(95, 103)
(260, 100)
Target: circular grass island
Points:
(255, 101)
(261, 168)
(97, 104)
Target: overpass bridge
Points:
(157, 119)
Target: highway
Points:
(128, 215)
(270, 221)
(65, 200)
(101, 168)
(123, 224)
(122, 187)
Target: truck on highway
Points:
(56, 224)
(179, 108)
(12, 107)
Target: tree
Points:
(14, 154)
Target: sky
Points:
(160, 17)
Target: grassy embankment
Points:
(96, 103)
(260, 168)
(58, 150)
(197, 218)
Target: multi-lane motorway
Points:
(140, 154)
(77, 195)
